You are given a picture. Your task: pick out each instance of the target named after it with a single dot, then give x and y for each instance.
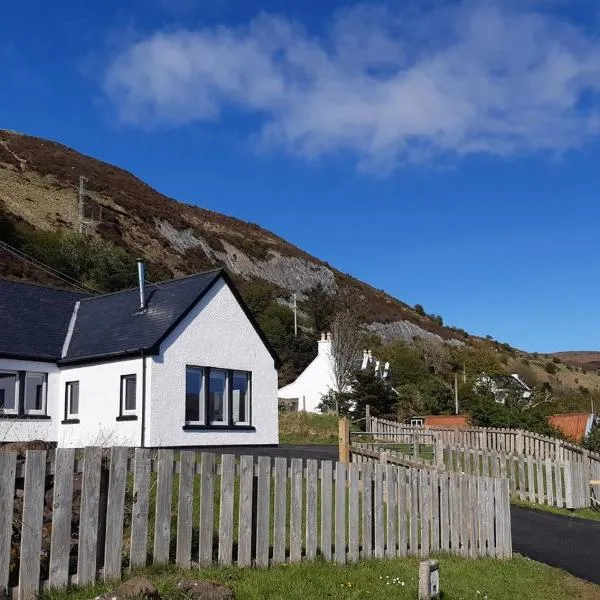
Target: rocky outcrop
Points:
(407, 332)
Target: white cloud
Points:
(388, 87)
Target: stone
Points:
(136, 587)
(22, 447)
(205, 590)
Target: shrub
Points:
(551, 368)
(419, 310)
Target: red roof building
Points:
(574, 426)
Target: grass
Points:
(591, 514)
(307, 428)
(460, 579)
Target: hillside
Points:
(39, 182)
(587, 359)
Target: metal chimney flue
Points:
(141, 283)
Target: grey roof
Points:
(113, 324)
(34, 319)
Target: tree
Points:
(345, 349)
(320, 308)
(434, 353)
(420, 310)
(551, 368)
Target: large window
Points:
(72, 400)
(217, 397)
(9, 392)
(128, 394)
(35, 394)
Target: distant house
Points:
(503, 386)
(180, 363)
(575, 426)
(317, 380)
(440, 421)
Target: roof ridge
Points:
(159, 283)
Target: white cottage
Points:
(180, 363)
(307, 391)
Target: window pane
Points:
(240, 393)
(216, 389)
(34, 391)
(129, 392)
(8, 391)
(73, 395)
(194, 396)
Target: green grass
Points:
(517, 578)
(307, 428)
(591, 514)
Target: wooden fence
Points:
(74, 516)
(514, 441)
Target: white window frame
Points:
(225, 420)
(15, 410)
(123, 400)
(31, 411)
(201, 396)
(248, 377)
(417, 422)
(69, 396)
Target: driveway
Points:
(569, 543)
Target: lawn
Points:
(308, 428)
(484, 579)
(591, 514)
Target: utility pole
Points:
(295, 316)
(456, 393)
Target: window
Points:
(416, 422)
(72, 399)
(217, 397)
(128, 394)
(240, 385)
(194, 395)
(34, 401)
(9, 392)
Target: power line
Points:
(47, 268)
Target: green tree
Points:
(320, 308)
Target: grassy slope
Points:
(460, 579)
(307, 428)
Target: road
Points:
(569, 543)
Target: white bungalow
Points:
(180, 363)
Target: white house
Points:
(180, 363)
(307, 391)
(503, 386)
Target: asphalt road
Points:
(569, 543)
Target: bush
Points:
(551, 368)
(419, 310)
(592, 441)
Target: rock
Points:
(206, 590)
(136, 587)
(22, 447)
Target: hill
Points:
(587, 359)
(126, 219)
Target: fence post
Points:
(344, 440)
(439, 451)
(415, 445)
(519, 442)
(368, 418)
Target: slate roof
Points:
(104, 327)
(34, 320)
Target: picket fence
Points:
(513, 441)
(103, 512)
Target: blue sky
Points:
(446, 152)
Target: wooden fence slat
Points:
(490, 517)
(424, 510)
(414, 512)
(312, 489)
(444, 513)
(454, 509)
(568, 484)
(353, 523)
(62, 501)
(530, 479)
(367, 510)
(326, 505)
(540, 481)
(164, 499)
(435, 511)
(378, 533)
(225, 554)
(521, 486)
(139, 513)
(187, 462)
(279, 510)
(88, 519)
(392, 514)
(8, 468)
(117, 483)
(296, 510)
(33, 515)
(340, 513)
(207, 508)
(473, 517)
(506, 520)
(549, 482)
(403, 504)
(263, 510)
(464, 516)
(244, 554)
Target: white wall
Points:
(216, 333)
(99, 398)
(15, 430)
(314, 382)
